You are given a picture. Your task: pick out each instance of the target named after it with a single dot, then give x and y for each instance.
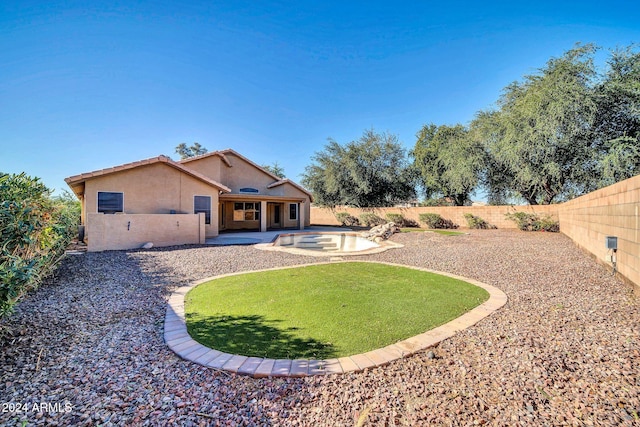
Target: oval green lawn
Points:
(323, 311)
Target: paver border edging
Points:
(179, 340)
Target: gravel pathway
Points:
(87, 347)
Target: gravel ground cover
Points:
(87, 347)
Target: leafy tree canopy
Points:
(450, 162)
(544, 123)
(372, 171)
(195, 150)
(275, 169)
(616, 132)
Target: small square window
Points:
(110, 202)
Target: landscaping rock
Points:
(563, 351)
(380, 232)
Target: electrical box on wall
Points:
(612, 242)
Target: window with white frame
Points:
(110, 202)
(203, 204)
(246, 211)
(293, 211)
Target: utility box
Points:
(612, 242)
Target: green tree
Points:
(545, 123)
(450, 162)
(372, 171)
(275, 169)
(195, 150)
(616, 131)
(487, 130)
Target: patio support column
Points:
(301, 215)
(263, 215)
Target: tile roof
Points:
(78, 179)
(223, 153)
(205, 155)
(288, 181)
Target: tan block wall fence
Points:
(131, 231)
(494, 215)
(610, 211)
(587, 220)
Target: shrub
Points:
(433, 220)
(411, 223)
(477, 222)
(547, 223)
(35, 231)
(532, 222)
(395, 217)
(400, 220)
(346, 219)
(371, 220)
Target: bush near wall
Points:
(400, 220)
(35, 231)
(476, 222)
(347, 220)
(435, 221)
(371, 220)
(532, 222)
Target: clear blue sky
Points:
(89, 87)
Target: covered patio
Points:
(261, 212)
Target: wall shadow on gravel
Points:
(255, 336)
(153, 270)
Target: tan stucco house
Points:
(165, 202)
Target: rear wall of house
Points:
(153, 189)
(211, 167)
(242, 174)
